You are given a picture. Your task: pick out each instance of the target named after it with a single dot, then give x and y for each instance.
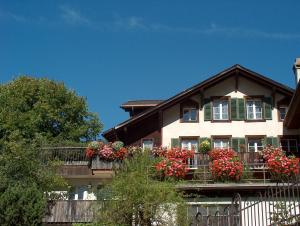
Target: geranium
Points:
(177, 153)
(159, 151)
(121, 154)
(219, 153)
(107, 153)
(282, 167)
(117, 145)
(226, 169)
(95, 145)
(171, 168)
(90, 153)
(271, 152)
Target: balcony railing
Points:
(246, 157)
(67, 155)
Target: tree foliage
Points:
(36, 112)
(135, 197)
(47, 108)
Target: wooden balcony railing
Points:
(68, 155)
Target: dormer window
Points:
(189, 111)
(254, 109)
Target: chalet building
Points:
(236, 108)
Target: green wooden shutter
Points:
(241, 109)
(207, 110)
(234, 109)
(268, 108)
(174, 142)
(272, 141)
(237, 142)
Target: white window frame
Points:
(189, 109)
(147, 139)
(288, 141)
(192, 163)
(223, 143)
(219, 104)
(256, 147)
(254, 109)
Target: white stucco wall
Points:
(172, 128)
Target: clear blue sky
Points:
(114, 51)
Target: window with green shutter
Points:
(174, 142)
(207, 109)
(268, 108)
(272, 141)
(238, 144)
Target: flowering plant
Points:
(270, 152)
(224, 169)
(171, 168)
(282, 167)
(117, 145)
(89, 153)
(177, 153)
(106, 153)
(95, 145)
(159, 151)
(205, 146)
(121, 154)
(219, 153)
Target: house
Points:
(235, 108)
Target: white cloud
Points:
(73, 17)
(12, 16)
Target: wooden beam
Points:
(201, 98)
(160, 119)
(273, 97)
(236, 76)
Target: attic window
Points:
(189, 111)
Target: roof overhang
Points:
(200, 87)
(292, 118)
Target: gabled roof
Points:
(235, 69)
(140, 103)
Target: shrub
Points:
(270, 152)
(177, 153)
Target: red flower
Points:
(89, 153)
(219, 153)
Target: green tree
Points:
(45, 108)
(135, 197)
(26, 182)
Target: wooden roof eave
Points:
(292, 116)
(203, 85)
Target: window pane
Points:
(186, 115)
(282, 112)
(193, 114)
(148, 144)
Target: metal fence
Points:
(277, 205)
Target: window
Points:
(288, 145)
(221, 143)
(147, 144)
(189, 114)
(255, 144)
(282, 113)
(189, 111)
(220, 110)
(254, 109)
(190, 144)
